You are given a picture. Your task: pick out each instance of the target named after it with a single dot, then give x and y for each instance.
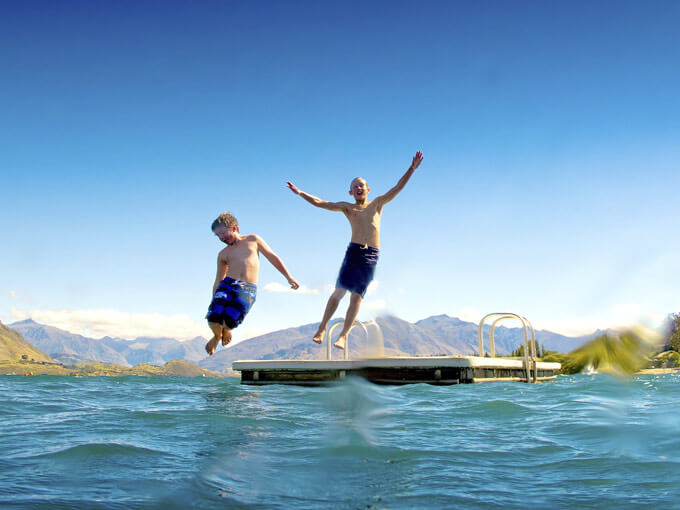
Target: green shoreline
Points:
(174, 368)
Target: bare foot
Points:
(211, 345)
(226, 336)
(318, 338)
(340, 342)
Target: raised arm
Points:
(383, 199)
(331, 206)
(275, 261)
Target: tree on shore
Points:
(673, 332)
(538, 348)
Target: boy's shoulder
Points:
(247, 238)
(250, 238)
(345, 205)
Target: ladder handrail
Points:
(504, 316)
(492, 343)
(363, 325)
(534, 347)
(373, 322)
(532, 342)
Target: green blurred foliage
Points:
(621, 354)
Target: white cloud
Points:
(279, 287)
(21, 297)
(620, 316)
(627, 310)
(374, 305)
(468, 314)
(571, 326)
(372, 287)
(100, 323)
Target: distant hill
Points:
(157, 351)
(64, 346)
(436, 335)
(174, 368)
(71, 348)
(13, 347)
(462, 335)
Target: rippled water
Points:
(579, 442)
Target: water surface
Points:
(134, 442)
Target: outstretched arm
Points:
(275, 261)
(383, 199)
(331, 206)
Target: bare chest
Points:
(360, 216)
(242, 253)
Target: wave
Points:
(89, 450)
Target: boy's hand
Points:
(417, 159)
(293, 284)
(294, 189)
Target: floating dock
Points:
(440, 370)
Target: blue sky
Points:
(549, 187)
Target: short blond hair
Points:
(226, 219)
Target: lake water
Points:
(579, 442)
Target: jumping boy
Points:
(361, 256)
(236, 282)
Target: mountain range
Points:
(71, 348)
(436, 335)
(14, 348)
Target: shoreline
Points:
(173, 368)
(658, 371)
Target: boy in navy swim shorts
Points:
(235, 285)
(361, 257)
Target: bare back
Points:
(240, 261)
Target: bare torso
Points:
(241, 259)
(365, 222)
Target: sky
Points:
(549, 186)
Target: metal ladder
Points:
(529, 358)
(363, 325)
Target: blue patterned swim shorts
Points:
(231, 302)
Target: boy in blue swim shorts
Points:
(235, 285)
(361, 257)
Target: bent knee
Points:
(338, 294)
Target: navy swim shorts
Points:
(231, 302)
(358, 268)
